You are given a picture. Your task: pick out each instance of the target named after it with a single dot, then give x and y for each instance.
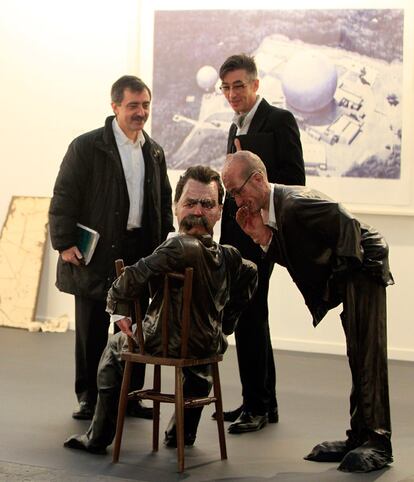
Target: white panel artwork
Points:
(339, 71)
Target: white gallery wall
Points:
(57, 63)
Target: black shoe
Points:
(273, 415)
(170, 439)
(81, 442)
(248, 422)
(230, 415)
(85, 411)
(136, 408)
(329, 451)
(366, 458)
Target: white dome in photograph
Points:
(206, 77)
(309, 81)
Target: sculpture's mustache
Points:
(192, 220)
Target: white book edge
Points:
(95, 239)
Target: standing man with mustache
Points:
(113, 180)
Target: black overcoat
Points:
(91, 189)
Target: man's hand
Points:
(124, 325)
(72, 255)
(252, 224)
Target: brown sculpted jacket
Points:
(319, 242)
(223, 284)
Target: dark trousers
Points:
(254, 349)
(197, 382)
(92, 323)
(364, 320)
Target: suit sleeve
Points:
(334, 227)
(166, 193)
(290, 166)
(68, 193)
(243, 286)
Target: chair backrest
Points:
(139, 340)
(186, 279)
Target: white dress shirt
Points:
(243, 121)
(134, 171)
(269, 217)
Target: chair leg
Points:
(156, 409)
(219, 410)
(179, 417)
(123, 400)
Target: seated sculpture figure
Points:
(223, 284)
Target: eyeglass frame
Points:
(238, 86)
(237, 191)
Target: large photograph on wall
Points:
(340, 72)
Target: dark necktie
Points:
(232, 136)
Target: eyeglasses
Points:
(236, 192)
(204, 203)
(237, 87)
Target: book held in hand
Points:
(87, 241)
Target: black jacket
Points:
(274, 136)
(91, 189)
(223, 284)
(320, 243)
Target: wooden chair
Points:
(155, 394)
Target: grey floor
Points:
(36, 395)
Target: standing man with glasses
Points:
(272, 134)
(113, 180)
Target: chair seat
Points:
(189, 402)
(175, 362)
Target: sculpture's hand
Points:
(124, 325)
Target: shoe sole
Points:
(246, 430)
(75, 445)
(82, 417)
